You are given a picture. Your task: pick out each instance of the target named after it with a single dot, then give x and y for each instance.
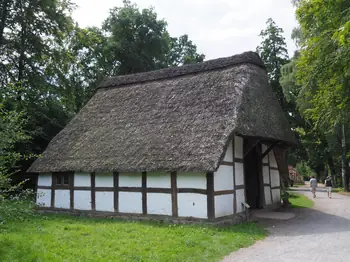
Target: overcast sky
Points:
(219, 28)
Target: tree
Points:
(323, 68)
(273, 51)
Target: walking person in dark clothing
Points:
(328, 184)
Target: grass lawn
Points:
(300, 201)
(65, 238)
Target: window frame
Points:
(62, 179)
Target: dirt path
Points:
(318, 234)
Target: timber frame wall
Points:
(172, 192)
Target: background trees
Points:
(53, 66)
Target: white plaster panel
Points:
(45, 179)
(266, 175)
(272, 159)
(159, 204)
(104, 201)
(130, 202)
(130, 179)
(275, 178)
(223, 205)
(104, 180)
(192, 205)
(192, 180)
(267, 192)
(82, 199)
(238, 147)
(229, 153)
(239, 174)
(223, 178)
(43, 197)
(62, 199)
(263, 149)
(276, 195)
(158, 180)
(82, 179)
(240, 198)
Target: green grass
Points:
(65, 238)
(300, 201)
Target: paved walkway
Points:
(318, 234)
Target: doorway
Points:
(253, 176)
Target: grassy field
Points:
(300, 201)
(64, 238)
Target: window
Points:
(62, 179)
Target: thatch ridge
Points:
(181, 123)
(214, 64)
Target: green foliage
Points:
(304, 170)
(12, 205)
(323, 73)
(273, 51)
(59, 238)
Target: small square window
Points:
(62, 179)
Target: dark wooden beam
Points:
(174, 194)
(268, 150)
(144, 193)
(252, 142)
(53, 184)
(210, 196)
(116, 191)
(234, 176)
(93, 195)
(71, 189)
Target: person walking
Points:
(328, 184)
(313, 185)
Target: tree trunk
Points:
(331, 168)
(3, 18)
(344, 162)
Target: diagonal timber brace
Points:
(269, 149)
(250, 145)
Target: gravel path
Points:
(318, 234)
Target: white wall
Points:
(43, 197)
(240, 198)
(158, 180)
(192, 205)
(82, 199)
(238, 147)
(276, 195)
(192, 180)
(229, 153)
(223, 178)
(130, 179)
(159, 204)
(263, 149)
(267, 191)
(130, 202)
(223, 205)
(62, 198)
(272, 159)
(44, 179)
(266, 175)
(82, 179)
(239, 174)
(275, 178)
(103, 180)
(104, 201)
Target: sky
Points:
(219, 28)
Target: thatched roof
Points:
(175, 119)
